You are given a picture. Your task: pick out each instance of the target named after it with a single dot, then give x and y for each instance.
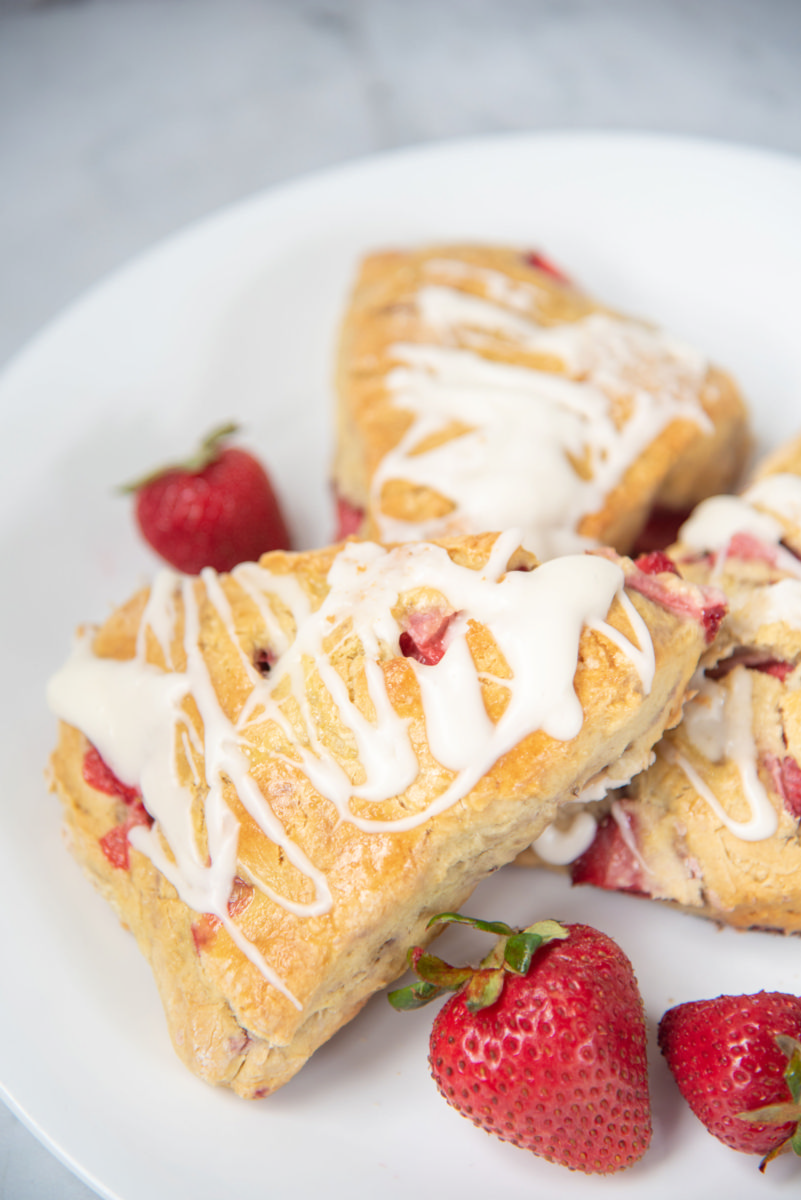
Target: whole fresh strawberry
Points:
(544, 1044)
(216, 509)
(737, 1061)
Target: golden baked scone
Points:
(713, 825)
(277, 776)
(478, 389)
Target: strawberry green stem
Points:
(481, 986)
(786, 1111)
(206, 453)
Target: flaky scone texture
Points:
(266, 694)
(478, 389)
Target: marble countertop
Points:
(122, 120)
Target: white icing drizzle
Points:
(718, 721)
(510, 293)
(159, 615)
(623, 822)
(774, 604)
(715, 522)
(729, 705)
(779, 494)
(704, 719)
(562, 846)
(643, 655)
(608, 781)
(134, 713)
(622, 383)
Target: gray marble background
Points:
(121, 120)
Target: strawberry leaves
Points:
(206, 453)
(481, 986)
(783, 1112)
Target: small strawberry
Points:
(737, 1061)
(216, 509)
(544, 1044)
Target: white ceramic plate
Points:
(237, 317)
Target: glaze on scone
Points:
(480, 390)
(308, 758)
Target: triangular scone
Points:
(336, 745)
(478, 389)
(713, 825)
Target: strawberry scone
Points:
(277, 776)
(479, 389)
(713, 825)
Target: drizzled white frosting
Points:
(559, 846)
(776, 604)
(779, 494)
(621, 384)
(718, 722)
(134, 712)
(759, 513)
(716, 521)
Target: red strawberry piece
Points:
(785, 775)
(755, 660)
(656, 562)
(775, 667)
(349, 519)
(115, 845)
(709, 612)
(99, 775)
(610, 861)
(540, 263)
(737, 1062)
(544, 1044)
(204, 929)
(424, 639)
(264, 660)
(215, 510)
(749, 548)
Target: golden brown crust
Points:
(682, 464)
(228, 1023)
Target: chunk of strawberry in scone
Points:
(206, 926)
(749, 548)
(425, 637)
(610, 861)
(656, 562)
(99, 775)
(785, 775)
(115, 844)
(540, 263)
(349, 519)
(755, 660)
(652, 578)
